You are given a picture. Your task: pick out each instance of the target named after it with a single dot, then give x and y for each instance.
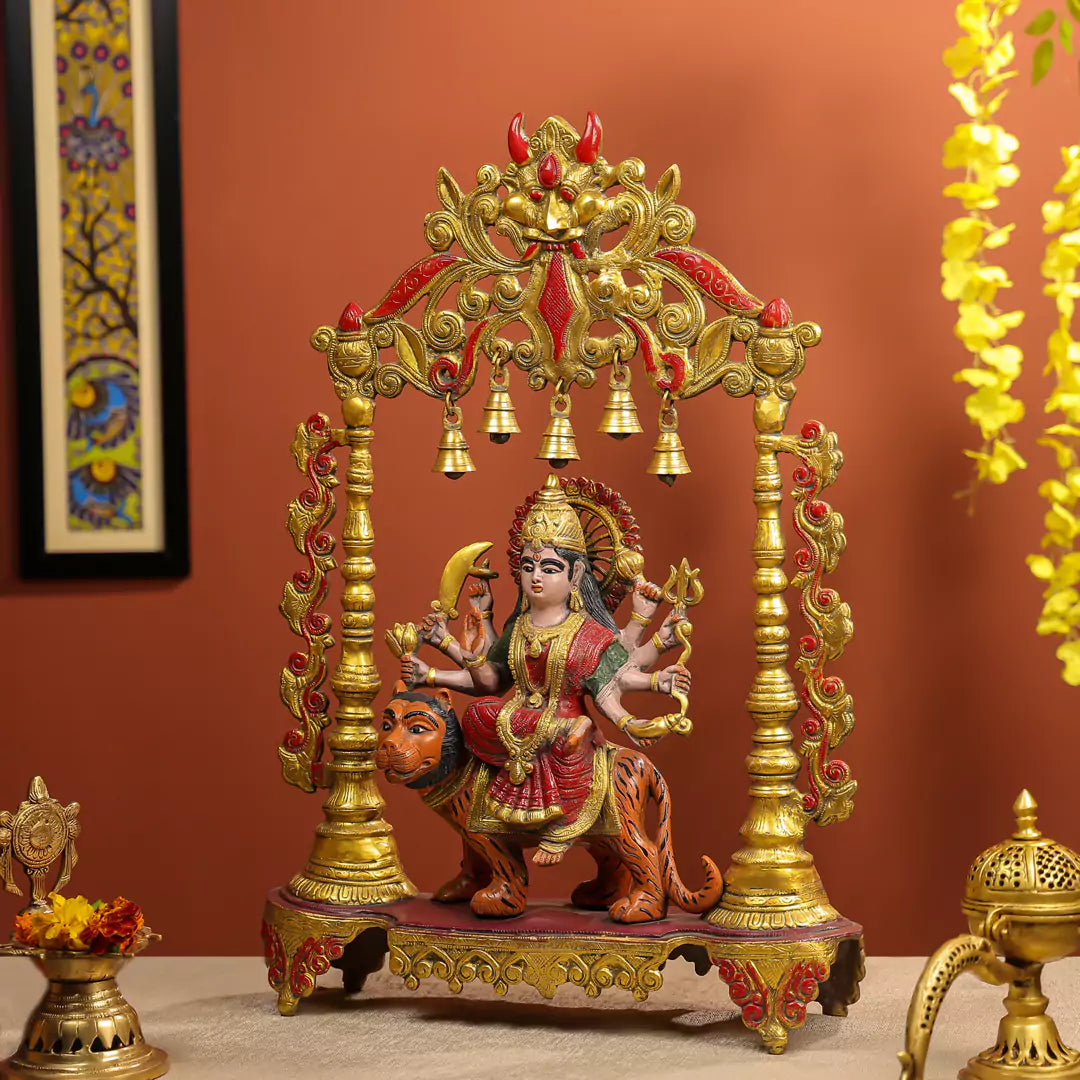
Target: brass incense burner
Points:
(1022, 903)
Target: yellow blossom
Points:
(1001, 55)
(997, 466)
(1058, 215)
(999, 236)
(1065, 454)
(963, 57)
(1041, 567)
(960, 239)
(973, 196)
(976, 325)
(1069, 655)
(985, 149)
(974, 17)
(1056, 491)
(70, 917)
(1070, 180)
(1061, 526)
(1005, 359)
(991, 408)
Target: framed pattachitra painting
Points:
(98, 285)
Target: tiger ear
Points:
(399, 687)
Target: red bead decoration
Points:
(351, 318)
(517, 140)
(550, 171)
(776, 314)
(588, 147)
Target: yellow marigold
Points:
(65, 928)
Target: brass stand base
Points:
(83, 1028)
(1028, 1043)
(770, 976)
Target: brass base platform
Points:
(770, 975)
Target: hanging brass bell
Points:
(620, 419)
(669, 457)
(500, 420)
(453, 457)
(558, 446)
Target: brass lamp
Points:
(1022, 903)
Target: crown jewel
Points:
(552, 521)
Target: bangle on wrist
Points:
(623, 721)
(654, 682)
(643, 619)
(429, 678)
(658, 641)
(483, 614)
(444, 645)
(474, 661)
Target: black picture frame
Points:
(172, 558)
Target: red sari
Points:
(538, 781)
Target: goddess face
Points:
(545, 578)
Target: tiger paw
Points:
(459, 888)
(498, 901)
(638, 907)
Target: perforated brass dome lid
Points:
(1026, 874)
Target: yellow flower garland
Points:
(981, 58)
(1061, 568)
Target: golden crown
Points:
(552, 521)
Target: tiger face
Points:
(419, 739)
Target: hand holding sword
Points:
(404, 639)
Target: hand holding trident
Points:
(682, 590)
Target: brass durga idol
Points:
(535, 770)
(518, 737)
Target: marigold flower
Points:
(65, 927)
(116, 926)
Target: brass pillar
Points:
(354, 859)
(772, 882)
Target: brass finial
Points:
(35, 836)
(1024, 808)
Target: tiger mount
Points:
(514, 730)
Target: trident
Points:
(682, 590)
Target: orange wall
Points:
(809, 140)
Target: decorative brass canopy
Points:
(1022, 903)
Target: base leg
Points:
(363, 957)
(773, 993)
(301, 946)
(841, 989)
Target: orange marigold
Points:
(27, 929)
(115, 926)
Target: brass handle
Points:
(963, 953)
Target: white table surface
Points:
(216, 1017)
